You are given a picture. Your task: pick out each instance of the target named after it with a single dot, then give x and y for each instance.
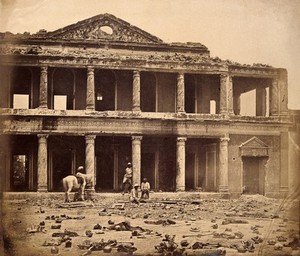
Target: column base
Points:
(42, 189)
(43, 106)
(180, 189)
(88, 193)
(223, 189)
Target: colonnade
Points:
(278, 94)
(278, 105)
(42, 178)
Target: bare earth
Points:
(250, 225)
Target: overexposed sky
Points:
(246, 31)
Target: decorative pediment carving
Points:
(103, 27)
(254, 148)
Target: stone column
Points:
(42, 175)
(261, 95)
(90, 156)
(274, 98)
(44, 88)
(180, 93)
(226, 94)
(90, 89)
(180, 164)
(136, 159)
(284, 162)
(136, 96)
(237, 104)
(283, 88)
(223, 164)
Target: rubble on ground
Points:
(250, 224)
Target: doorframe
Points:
(261, 171)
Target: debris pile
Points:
(107, 246)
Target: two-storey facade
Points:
(102, 93)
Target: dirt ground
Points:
(250, 225)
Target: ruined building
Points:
(102, 93)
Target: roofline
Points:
(173, 47)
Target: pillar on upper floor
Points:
(180, 93)
(283, 91)
(237, 104)
(226, 94)
(223, 164)
(42, 177)
(43, 100)
(90, 89)
(90, 157)
(136, 92)
(274, 97)
(261, 101)
(136, 159)
(180, 164)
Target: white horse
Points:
(73, 183)
(78, 183)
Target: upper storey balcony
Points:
(145, 93)
(105, 67)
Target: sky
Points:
(245, 31)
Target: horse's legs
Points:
(67, 193)
(81, 193)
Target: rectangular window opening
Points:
(21, 101)
(60, 102)
(248, 103)
(212, 107)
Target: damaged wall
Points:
(271, 164)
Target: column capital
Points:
(44, 69)
(225, 138)
(181, 139)
(225, 75)
(136, 138)
(136, 73)
(43, 136)
(90, 138)
(90, 69)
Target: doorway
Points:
(253, 175)
(148, 168)
(61, 167)
(190, 171)
(20, 173)
(105, 171)
(211, 167)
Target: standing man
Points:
(127, 180)
(145, 188)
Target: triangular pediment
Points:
(103, 27)
(254, 148)
(254, 143)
